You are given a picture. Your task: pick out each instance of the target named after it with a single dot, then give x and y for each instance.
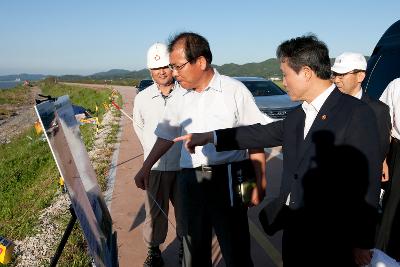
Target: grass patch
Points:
(28, 176)
(15, 96)
(112, 137)
(87, 133)
(81, 96)
(103, 165)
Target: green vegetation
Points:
(266, 69)
(103, 162)
(119, 81)
(81, 96)
(29, 176)
(16, 96)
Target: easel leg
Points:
(64, 239)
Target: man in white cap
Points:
(148, 108)
(348, 72)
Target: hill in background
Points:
(267, 69)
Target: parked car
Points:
(269, 97)
(144, 84)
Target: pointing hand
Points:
(195, 139)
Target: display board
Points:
(63, 135)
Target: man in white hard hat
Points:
(348, 72)
(148, 108)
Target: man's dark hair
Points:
(195, 46)
(306, 51)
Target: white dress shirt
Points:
(311, 109)
(391, 97)
(359, 94)
(225, 103)
(148, 109)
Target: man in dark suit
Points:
(348, 72)
(331, 169)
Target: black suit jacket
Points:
(382, 115)
(349, 151)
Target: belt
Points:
(210, 168)
(205, 168)
(227, 170)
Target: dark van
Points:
(384, 63)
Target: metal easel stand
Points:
(64, 239)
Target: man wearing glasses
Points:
(208, 178)
(348, 72)
(163, 186)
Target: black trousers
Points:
(388, 238)
(206, 205)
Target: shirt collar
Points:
(319, 100)
(359, 94)
(155, 92)
(215, 82)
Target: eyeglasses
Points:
(177, 67)
(341, 75)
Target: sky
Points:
(85, 37)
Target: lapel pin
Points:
(323, 117)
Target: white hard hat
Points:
(349, 61)
(157, 56)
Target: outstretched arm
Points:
(250, 137)
(160, 148)
(244, 137)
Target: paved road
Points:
(128, 214)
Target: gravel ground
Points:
(38, 250)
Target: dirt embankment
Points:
(18, 118)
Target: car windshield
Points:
(145, 83)
(263, 88)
